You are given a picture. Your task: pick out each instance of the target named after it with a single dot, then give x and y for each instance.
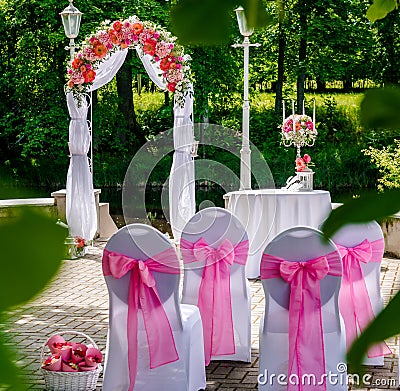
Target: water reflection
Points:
(205, 196)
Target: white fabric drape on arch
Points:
(81, 210)
(182, 204)
(80, 201)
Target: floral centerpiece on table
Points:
(130, 33)
(298, 130)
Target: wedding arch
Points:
(100, 57)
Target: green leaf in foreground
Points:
(208, 22)
(380, 8)
(385, 325)
(380, 108)
(32, 249)
(256, 14)
(368, 207)
(205, 22)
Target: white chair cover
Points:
(140, 241)
(351, 236)
(299, 244)
(215, 225)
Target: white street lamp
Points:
(71, 19)
(245, 160)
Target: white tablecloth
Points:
(266, 212)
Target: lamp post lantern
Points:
(71, 19)
(245, 159)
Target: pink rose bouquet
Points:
(302, 163)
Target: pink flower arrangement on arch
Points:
(132, 32)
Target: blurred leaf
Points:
(368, 207)
(380, 108)
(385, 325)
(380, 8)
(32, 249)
(202, 21)
(208, 22)
(256, 14)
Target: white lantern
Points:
(71, 19)
(305, 178)
(245, 30)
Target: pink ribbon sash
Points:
(354, 302)
(214, 300)
(143, 292)
(306, 339)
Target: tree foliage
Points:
(340, 45)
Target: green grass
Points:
(148, 100)
(349, 100)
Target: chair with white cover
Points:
(361, 247)
(214, 247)
(153, 342)
(302, 340)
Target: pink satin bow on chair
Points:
(354, 302)
(214, 299)
(306, 339)
(143, 292)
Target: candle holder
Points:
(298, 130)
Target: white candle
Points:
(294, 127)
(283, 104)
(303, 107)
(313, 118)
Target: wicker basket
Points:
(70, 381)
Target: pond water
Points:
(204, 196)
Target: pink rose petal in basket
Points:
(65, 351)
(85, 368)
(69, 367)
(53, 341)
(93, 357)
(53, 363)
(78, 352)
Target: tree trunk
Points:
(347, 83)
(280, 76)
(321, 86)
(301, 76)
(303, 9)
(387, 32)
(125, 103)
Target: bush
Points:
(387, 161)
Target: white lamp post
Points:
(245, 159)
(71, 19)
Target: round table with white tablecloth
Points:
(266, 212)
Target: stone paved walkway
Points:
(77, 300)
